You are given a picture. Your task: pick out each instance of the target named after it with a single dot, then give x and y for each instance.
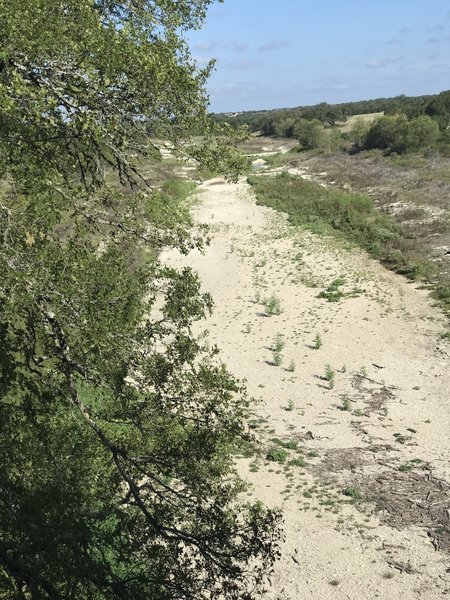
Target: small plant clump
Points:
(333, 293)
(291, 444)
(406, 467)
(346, 404)
(291, 367)
(277, 359)
(290, 405)
(363, 371)
(272, 305)
(278, 343)
(297, 462)
(278, 455)
(409, 466)
(330, 375)
(352, 492)
(317, 342)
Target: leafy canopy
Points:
(117, 425)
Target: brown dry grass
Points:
(367, 118)
(413, 189)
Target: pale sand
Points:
(392, 324)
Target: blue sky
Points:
(295, 52)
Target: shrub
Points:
(329, 375)
(277, 359)
(352, 492)
(346, 404)
(272, 305)
(278, 343)
(332, 293)
(278, 455)
(396, 134)
(290, 405)
(310, 134)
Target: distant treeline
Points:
(409, 123)
(436, 106)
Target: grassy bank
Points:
(352, 217)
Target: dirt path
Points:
(380, 432)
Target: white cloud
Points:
(242, 64)
(273, 45)
(237, 46)
(380, 63)
(205, 46)
(438, 40)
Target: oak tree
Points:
(117, 425)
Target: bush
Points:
(284, 127)
(272, 305)
(388, 133)
(358, 133)
(310, 134)
(396, 134)
(352, 492)
(278, 455)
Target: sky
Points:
(285, 53)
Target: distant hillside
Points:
(331, 114)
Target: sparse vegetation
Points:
(331, 211)
(317, 342)
(352, 492)
(297, 462)
(346, 404)
(277, 454)
(333, 293)
(291, 367)
(278, 343)
(353, 216)
(272, 305)
(277, 359)
(330, 375)
(290, 405)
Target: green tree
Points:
(310, 134)
(398, 134)
(332, 140)
(117, 426)
(439, 109)
(423, 132)
(284, 127)
(389, 133)
(358, 133)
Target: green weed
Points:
(333, 293)
(352, 492)
(330, 375)
(278, 455)
(317, 342)
(272, 305)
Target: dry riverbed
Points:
(351, 402)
